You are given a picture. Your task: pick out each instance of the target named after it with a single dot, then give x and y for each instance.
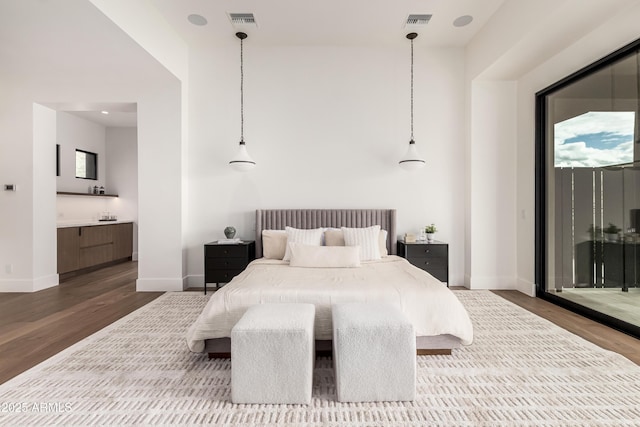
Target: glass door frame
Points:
(541, 262)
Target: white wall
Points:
(122, 175)
(326, 126)
(17, 208)
(77, 133)
(160, 211)
(491, 238)
(44, 168)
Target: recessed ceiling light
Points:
(196, 19)
(462, 21)
(104, 112)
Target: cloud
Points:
(577, 154)
(595, 139)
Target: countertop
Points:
(88, 223)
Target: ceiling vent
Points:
(417, 20)
(243, 19)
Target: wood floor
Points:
(35, 326)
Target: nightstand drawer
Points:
(430, 257)
(426, 250)
(429, 263)
(221, 276)
(238, 251)
(226, 263)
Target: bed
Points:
(440, 320)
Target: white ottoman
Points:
(374, 353)
(272, 354)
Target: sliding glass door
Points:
(588, 190)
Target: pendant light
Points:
(412, 160)
(242, 161)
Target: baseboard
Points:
(159, 285)
(194, 281)
(134, 256)
(29, 285)
(491, 282)
(526, 287)
(45, 282)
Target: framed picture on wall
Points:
(57, 159)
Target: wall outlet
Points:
(8, 268)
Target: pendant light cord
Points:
(411, 90)
(241, 93)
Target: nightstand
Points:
(224, 261)
(431, 257)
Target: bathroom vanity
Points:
(93, 244)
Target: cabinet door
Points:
(68, 249)
(96, 245)
(95, 235)
(122, 240)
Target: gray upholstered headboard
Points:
(278, 219)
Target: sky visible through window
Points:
(595, 139)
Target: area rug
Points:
(521, 370)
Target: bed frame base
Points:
(328, 353)
(220, 348)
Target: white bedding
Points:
(428, 304)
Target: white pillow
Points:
(335, 237)
(311, 237)
(324, 256)
(367, 238)
(274, 244)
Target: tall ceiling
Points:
(328, 22)
(73, 41)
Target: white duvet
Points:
(428, 304)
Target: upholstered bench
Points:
(272, 354)
(374, 353)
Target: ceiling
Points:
(328, 22)
(78, 45)
(107, 114)
(296, 22)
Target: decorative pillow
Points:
(335, 237)
(382, 242)
(274, 243)
(367, 238)
(311, 237)
(324, 256)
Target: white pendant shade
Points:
(412, 160)
(242, 162)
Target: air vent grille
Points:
(242, 19)
(418, 19)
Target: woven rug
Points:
(521, 370)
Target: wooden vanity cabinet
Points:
(89, 247)
(68, 249)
